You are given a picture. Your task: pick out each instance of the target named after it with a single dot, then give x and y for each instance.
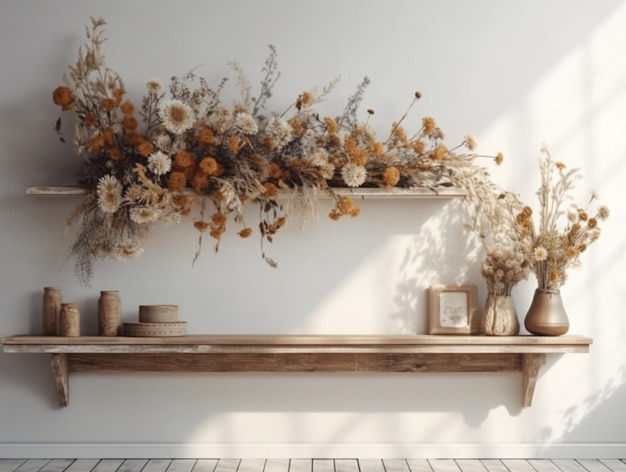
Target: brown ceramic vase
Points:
(546, 315)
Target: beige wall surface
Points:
(515, 74)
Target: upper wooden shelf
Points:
(286, 353)
(447, 192)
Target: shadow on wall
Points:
(442, 252)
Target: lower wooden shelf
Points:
(309, 353)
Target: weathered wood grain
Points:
(346, 465)
(419, 465)
(470, 465)
(56, 465)
(277, 465)
(33, 465)
(531, 363)
(227, 465)
(395, 465)
(181, 465)
(205, 465)
(371, 465)
(108, 465)
(309, 353)
(60, 371)
(10, 465)
(157, 465)
(294, 363)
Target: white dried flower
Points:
(159, 163)
(470, 142)
(245, 124)
(109, 191)
(154, 86)
(144, 214)
(353, 175)
(540, 253)
(177, 116)
(279, 131)
(220, 120)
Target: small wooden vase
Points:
(109, 313)
(69, 320)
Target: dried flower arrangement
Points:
(493, 211)
(182, 150)
(555, 247)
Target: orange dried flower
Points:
(127, 107)
(233, 145)
(63, 97)
(245, 233)
(418, 146)
(96, 143)
(378, 149)
(130, 123)
(90, 120)
(331, 125)
(108, 104)
(559, 165)
(206, 136)
(297, 126)
(118, 93)
(270, 190)
(176, 181)
(440, 153)
(145, 148)
(499, 158)
(201, 226)
(592, 222)
(391, 176)
(208, 166)
(115, 154)
(275, 171)
(428, 125)
(219, 219)
(183, 160)
(200, 182)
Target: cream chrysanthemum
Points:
(319, 159)
(220, 120)
(353, 175)
(128, 251)
(279, 131)
(540, 253)
(154, 86)
(245, 124)
(470, 142)
(144, 214)
(109, 193)
(177, 116)
(159, 163)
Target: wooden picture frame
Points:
(451, 309)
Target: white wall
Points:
(513, 73)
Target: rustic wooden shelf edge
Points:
(426, 193)
(252, 353)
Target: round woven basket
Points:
(158, 313)
(155, 329)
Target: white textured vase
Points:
(500, 317)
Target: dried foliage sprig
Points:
(564, 230)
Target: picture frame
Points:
(452, 309)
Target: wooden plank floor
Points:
(312, 465)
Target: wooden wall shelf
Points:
(443, 192)
(252, 353)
